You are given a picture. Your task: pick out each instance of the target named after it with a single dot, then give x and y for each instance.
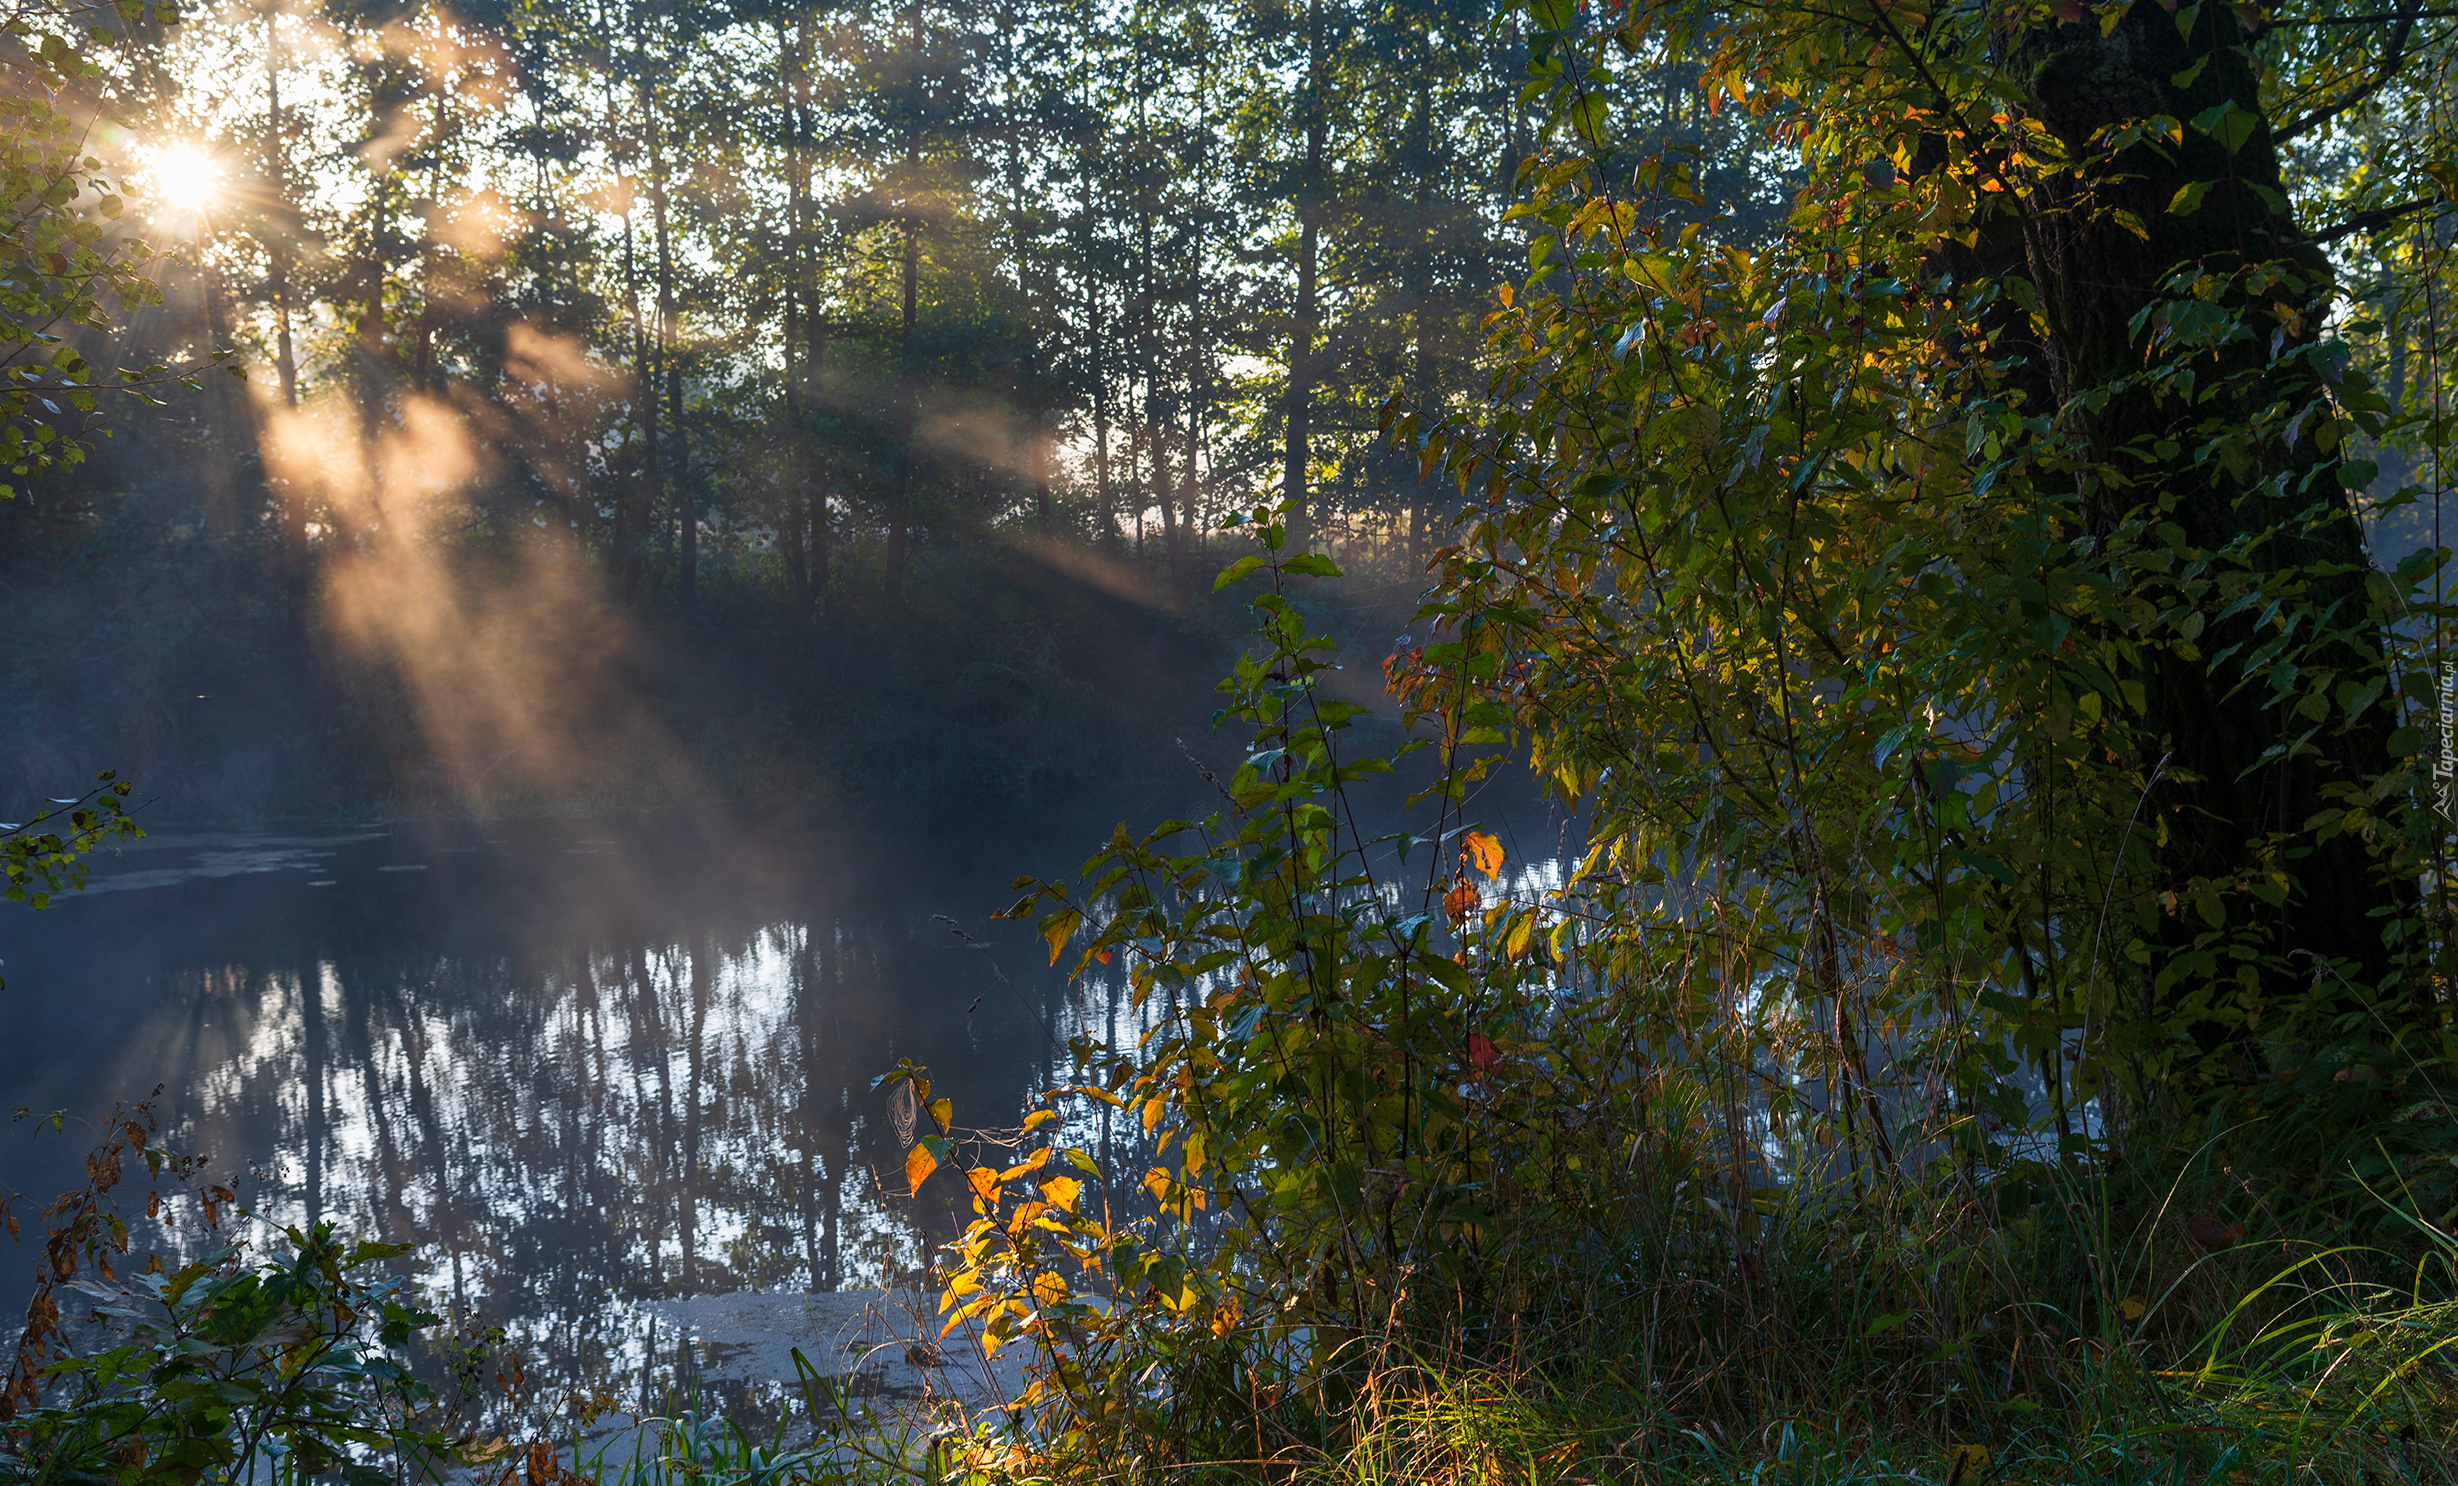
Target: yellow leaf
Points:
(1516, 944)
(1156, 1181)
(1057, 927)
(2132, 1308)
(919, 1164)
(1062, 1191)
(1225, 1318)
(1153, 1109)
(982, 1179)
(944, 1111)
(1048, 1289)
(1027, 1166)
(1486, 852)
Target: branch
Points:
(2393, 56)
(2367, 20)
(2372, 221)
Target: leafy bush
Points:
(1406, 1133)
(223, 1370)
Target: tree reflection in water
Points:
(583, 1067)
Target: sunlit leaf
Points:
(1236, 570)
(1485, 852)
(1462, 900)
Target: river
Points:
(586, 1065)
(581, 1063)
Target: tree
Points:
(1989, 537)
(71, 269)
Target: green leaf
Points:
(2188, 198)
(1313, 565)
(1586, 114)
(1988, 864)
(1237, 570)
(2228, 124)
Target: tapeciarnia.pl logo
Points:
(2445, 767)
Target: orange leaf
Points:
(919, 1164)
(1486, 852)
(982, 1179)
(1462, 900)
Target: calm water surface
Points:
(583, 1064)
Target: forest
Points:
(1941, 498)
(942, 333)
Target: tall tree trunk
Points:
(792, 506)
(1038, 452)
(639, 501)
(813, 469)
(425, 373)
(1306, 326)
(1105, 507)
(2222, 795)
(676, 473)
(1422, 491)
(223, 424)
(629, 550)
(1199, 389)
(909, 392)
(369, 331)
(279, 214)
(278, 218)
(1165, 492)
(802, 307)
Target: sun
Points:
(185, 177)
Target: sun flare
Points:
(185, 177)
